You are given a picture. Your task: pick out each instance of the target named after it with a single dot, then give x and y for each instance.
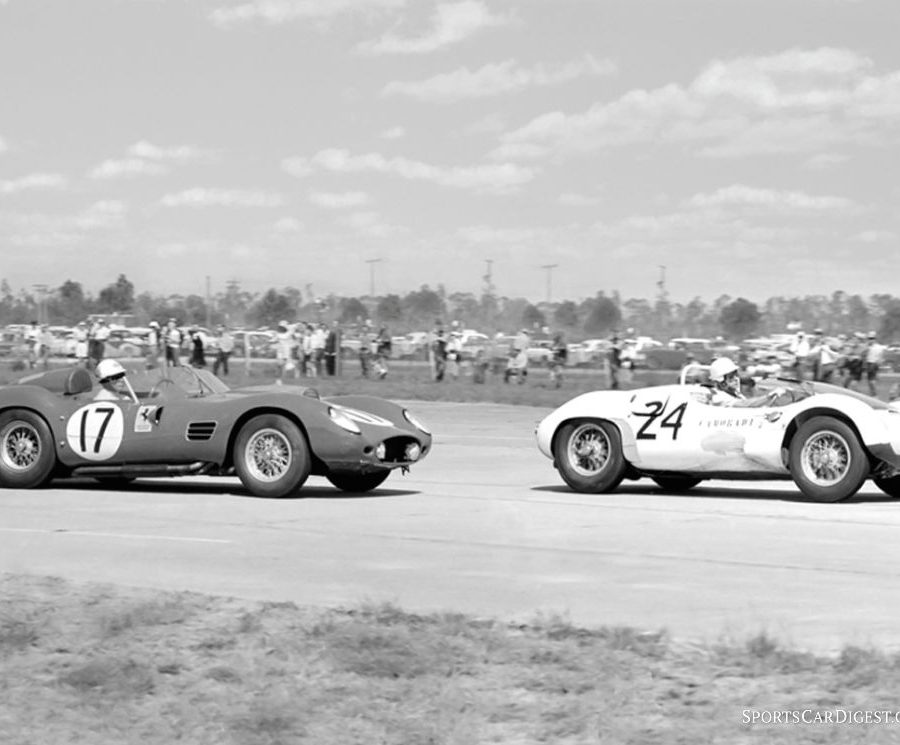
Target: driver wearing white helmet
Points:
(726, 386)
(114, 385)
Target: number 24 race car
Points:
(184, 421)
(827, 439)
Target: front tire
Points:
(890, 486)
(358, 483)
(27, 456)
(828, 463)
(589, 457)
(271, 456)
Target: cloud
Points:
(572, 199)
(177, 153)
(298, 167)
(739, 196)
(372, 225)
(33, 181)
(288, 225)
(876, 236)
(487, 234)
(199, 197)
(129, 167)
(497, 178)
(452, 23)
(797, 101)
(496, 79)
(276, 12)
(339, 201)
(146, 159)
(394, 133)
(102, 215)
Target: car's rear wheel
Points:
(589, 457)
(358, 483)
(890, 486)
(271, 456)
(827, 461)
(676, 483)
(27, 457)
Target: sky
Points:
(568, 147)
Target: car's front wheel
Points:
(589, 457)
(358, 483)
(271, 456)
(27, 457)
(827, 461)
(890, 486)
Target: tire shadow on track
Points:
(725, 492)
(223, 489)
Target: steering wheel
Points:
(159, 386)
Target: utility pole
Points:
(372, 263)
(549, 269)
(41, 291)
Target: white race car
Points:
(829, 440)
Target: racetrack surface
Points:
(485, 526)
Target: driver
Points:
(726, 386)
(114, 386)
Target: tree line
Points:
(422, 309)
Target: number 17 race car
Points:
(829, 440)
(182, 421)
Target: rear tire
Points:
(27, 455)
(588, 454)
(271, 456)
(828, 463)
(358, 483)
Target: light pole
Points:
(372, 263)
(41, 303)
(549, 269)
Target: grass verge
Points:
(102, 665)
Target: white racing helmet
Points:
(109, 370)
(721, 368)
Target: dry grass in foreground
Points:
(112, 666)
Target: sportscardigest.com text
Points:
(820, 716)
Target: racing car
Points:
(828, 439)
(183, 421)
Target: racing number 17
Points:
(656, 410)
(106, 412)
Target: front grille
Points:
(200, 431)
(396, 449)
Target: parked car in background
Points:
(678, 352)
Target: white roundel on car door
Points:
(95, 431)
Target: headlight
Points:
(381, 451)
(413, 451)
(415, 422)
(343, 421)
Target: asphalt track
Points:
(485, 526)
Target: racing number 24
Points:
(656, 410)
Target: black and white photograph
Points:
(448, 372)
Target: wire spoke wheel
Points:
(268, 455)
(21, 447)
(826, 458)
(589, 456)
(588, 449)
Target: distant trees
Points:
(603, 316)
(117, 297)
(739, 319)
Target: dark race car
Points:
(183, 421)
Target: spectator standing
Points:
(873, 359)
(284, 352)
(101, 336)
(438, 354)
(559, 352)
(332, 349)
(614, 360)
(824, 358)
(382, 347)
(80, 334)
(308, 353)
(517, 364)
(198, 348)
(454, 350)
(319, 337)
(224, 348)
(800, 349)
(851, 364)
(173, 339)
(33, 340)
(153, 345)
